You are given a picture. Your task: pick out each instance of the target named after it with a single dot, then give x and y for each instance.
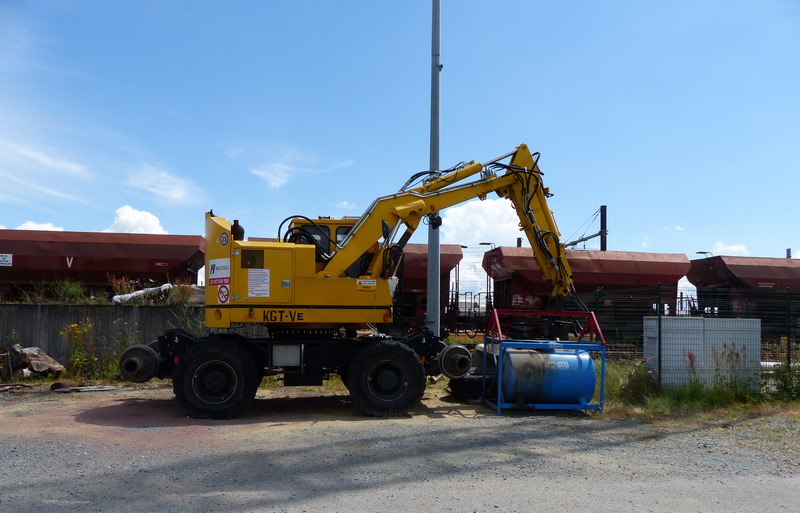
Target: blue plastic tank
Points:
(548, 376)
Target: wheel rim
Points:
(214, 382)
(387, 380)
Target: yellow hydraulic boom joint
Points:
(451, 178)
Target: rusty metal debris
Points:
(27, 361)
(7, 387)
(96, 388)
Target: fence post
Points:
(788, 329)
(659, 307)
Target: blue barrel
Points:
(549, 376)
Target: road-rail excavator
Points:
(319, 300)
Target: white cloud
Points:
(730, 249)
(278, 174)
(31, 189)
(165, 185)
(38, 159)
(492, 220)
(235, 152)
(47, 227)
(471, 276)
(130, 220)
(284, 165)
(33, 176)
(346, 205)
(275, 174)
(677, 228)
(646, 242)
(2, 227)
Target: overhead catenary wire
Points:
(586, 224)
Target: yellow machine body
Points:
(346, 278)
(276, 283)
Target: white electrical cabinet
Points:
(706, 350)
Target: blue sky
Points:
(682, 117)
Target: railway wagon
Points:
(619, 286)
(753, 287)
(29, 257)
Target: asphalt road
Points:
(134, 450)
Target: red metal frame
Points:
(590, 327)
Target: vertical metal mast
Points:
(603, 228)
(433, 310)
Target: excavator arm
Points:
(520, 181)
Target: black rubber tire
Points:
(215, 381)
(386, 379)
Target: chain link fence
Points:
(701, 335)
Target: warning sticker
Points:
(366, 285)
(5, 259)
(219, 271)
(223, 294)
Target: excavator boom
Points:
(521, 183)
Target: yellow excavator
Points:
(319, 299)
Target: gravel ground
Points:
(134, 450)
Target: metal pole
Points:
(432, 320)
(603, 228)
(10, 366)
(660, 351)
(789, 330)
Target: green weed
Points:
(81, 350)
(190, 318)
(641, 395)
(68, 292)
(65, 292)
(785, 382)
(125, 335)
(89, 361)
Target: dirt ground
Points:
(118, 410)
(297, 449)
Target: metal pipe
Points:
(432, 314)
(659, 349)
(10, 366)
(501, 157)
